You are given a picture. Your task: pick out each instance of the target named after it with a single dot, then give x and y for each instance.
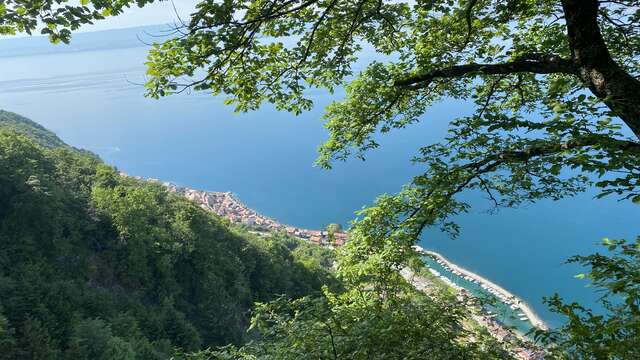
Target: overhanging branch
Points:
(545, 149)
(534, 63)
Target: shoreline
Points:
(531, 315)
(228, 205)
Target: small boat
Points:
(523, 318)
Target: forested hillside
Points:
(97, 266)
(36, 132)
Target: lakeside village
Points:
(226, 205)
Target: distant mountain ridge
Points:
(89, 41)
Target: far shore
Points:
(531, 315)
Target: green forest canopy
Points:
(97, 266)
(23, 126)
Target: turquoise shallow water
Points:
(89, 95)
(501, 311)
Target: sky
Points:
(160, 12)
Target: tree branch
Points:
(533, 63)
(546, 148)
(475, 170)
(618, 89)
(468, 14)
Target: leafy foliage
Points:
(376, 315)
(616, 334)
(542, 127)
(554, 83)
(57, 18)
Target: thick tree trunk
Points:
(608, 81)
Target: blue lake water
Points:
(89, 94)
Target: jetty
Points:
(497, 290)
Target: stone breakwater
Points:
(505, 296)
(518, 345)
